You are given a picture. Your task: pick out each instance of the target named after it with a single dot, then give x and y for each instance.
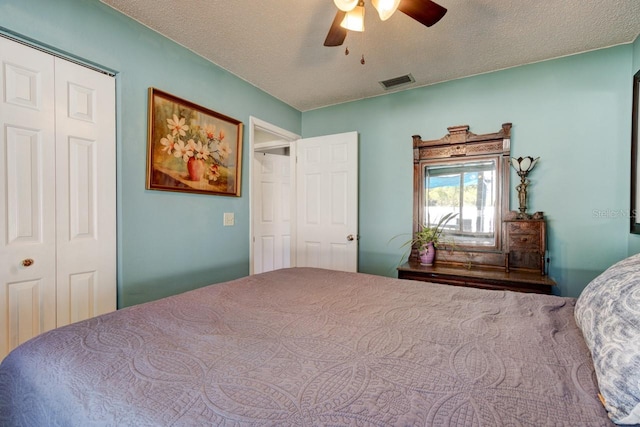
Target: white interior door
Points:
(272, 215)
(327, 202)
(27, 194)
(272, 212)
(85, 192)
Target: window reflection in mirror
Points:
(469, 189)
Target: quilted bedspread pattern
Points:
(307, 347)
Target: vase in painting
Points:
(196, 168)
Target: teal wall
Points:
(573, 112)
(167, 242)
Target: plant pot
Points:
(196, 168)
(427, 254)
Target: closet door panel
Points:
(27, 194)
(86, 195)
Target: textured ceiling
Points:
(277, 45)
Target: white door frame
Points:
(283, 139)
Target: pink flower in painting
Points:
(213, 172)
(182, 151)
(224, 149)
(202, 151)
(168, 143)
(210, 131)
(177, 125)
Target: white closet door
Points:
(86, 192)
(27, 195)
(57, 193)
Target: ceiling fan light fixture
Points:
(354, 19)
(345, 5)
(385, 8)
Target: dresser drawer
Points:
(528, 227)
(524, 241)
(524, 236)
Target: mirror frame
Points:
(458, 145)
(635, 187)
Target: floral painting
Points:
(191, 148)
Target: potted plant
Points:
(426, 239)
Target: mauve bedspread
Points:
(303, 347)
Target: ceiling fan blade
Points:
(425, 12)
(336, 34)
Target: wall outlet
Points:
(228, 219)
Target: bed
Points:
(306, 347)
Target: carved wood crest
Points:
(460, 142)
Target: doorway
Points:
(272, 213)
(304, 200)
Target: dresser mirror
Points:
(467, 174)
(469, 188)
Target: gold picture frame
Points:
(191, 148)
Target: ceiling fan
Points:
(350, 15)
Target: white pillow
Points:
(608, 313)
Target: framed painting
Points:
(191, 148)
(635, 184)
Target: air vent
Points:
(397, 81)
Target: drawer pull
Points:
(27, 262)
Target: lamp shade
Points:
(524, 164)
(354, 19)
(385, 8)
(345, 5)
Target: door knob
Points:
(27, 262)
(350, 238)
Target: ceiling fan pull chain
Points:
(364, 47)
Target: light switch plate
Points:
(228, 219)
